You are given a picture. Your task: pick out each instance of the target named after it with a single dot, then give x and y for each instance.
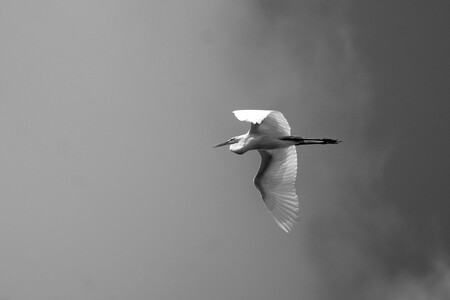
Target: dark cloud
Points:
(110, 186)
(394, 222)
(403, 47)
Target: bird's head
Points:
(236, 144)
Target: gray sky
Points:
(110, 188)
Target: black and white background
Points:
(109, 187)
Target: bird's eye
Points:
(231, 140)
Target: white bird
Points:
(270, 134)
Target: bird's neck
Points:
(245, 143)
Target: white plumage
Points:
(270, 134)
(276, 183)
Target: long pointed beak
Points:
(222, 144)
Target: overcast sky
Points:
(109, 187)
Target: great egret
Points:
(270, 134)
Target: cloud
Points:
(301, 57)
(111, 186)
(433, 285)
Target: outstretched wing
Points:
(268, 122)
(275, 181)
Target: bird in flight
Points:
(270, 134)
